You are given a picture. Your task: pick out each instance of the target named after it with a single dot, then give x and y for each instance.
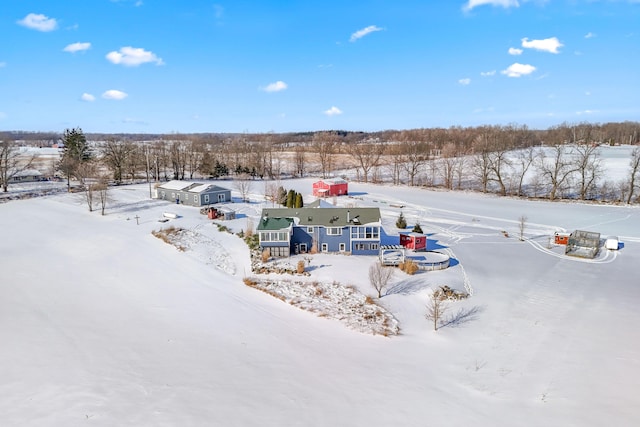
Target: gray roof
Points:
(333, 217)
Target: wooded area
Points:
(556, 163)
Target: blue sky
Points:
(163, 66)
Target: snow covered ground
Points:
(104, 324)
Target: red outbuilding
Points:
(415, 241)
(330, 187)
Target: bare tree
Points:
(299, 161)
(379, 277)
(366, 156)
(12, 163)
(436, 307)
(522, 224)
(523, 161)
(324, 143)
(634, 175)
(556, 169)
(242, 184)
(588, 168)
(116, 154)
(102, 188)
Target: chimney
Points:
(348, 216)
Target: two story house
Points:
(286, 231)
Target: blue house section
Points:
(331, 230)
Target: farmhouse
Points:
(192, 193)
(330, 187)
(28, 175)
(286, 231)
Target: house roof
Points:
(272, 223)
(334, 217)
(192, 187)
(319, 203)
(175, 185)
(206, 188)
(333, 181)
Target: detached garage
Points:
(192, 193)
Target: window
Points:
(309, 229)
(358, 246)
(195, 198)
(374, 246)
(206, 198)
(274, 236)
(365, 232)
(163, 194)
(325, 247)
(342, 247)
(334, 231)
(303, 248)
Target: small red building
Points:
(415, 241)
(561, 238)
(330, 187)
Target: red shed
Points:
(330, 187)
(561, 238)
(415, 241)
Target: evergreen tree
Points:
(291, 198)
(76, 153)
(417, 228)
(299, 201)
(401, 222)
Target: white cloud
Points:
(133, 56)
(218, 10)
(77, 47)
(88, 97)
(38, 21)
(586, 112)
(589, 35)
(518, 70)
(114, 94)
(488, 73)
(275, 87)
(465, 81)
(333, 111)
(515, 51)
(546, 45)
(363, 32)
(504, 3)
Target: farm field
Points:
(104, 324)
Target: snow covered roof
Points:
(175, 185)
(190, 186)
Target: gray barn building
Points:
(192, 193)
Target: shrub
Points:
(266, 253)
(300, 267)
(417, 228)
(409, 266)
(401, 222)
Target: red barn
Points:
(330, 187)
(415, 241)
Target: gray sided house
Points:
(316, 229)
(192, 193)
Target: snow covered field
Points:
(104, 324)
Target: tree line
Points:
(560, 162)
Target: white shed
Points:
(612, 243)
